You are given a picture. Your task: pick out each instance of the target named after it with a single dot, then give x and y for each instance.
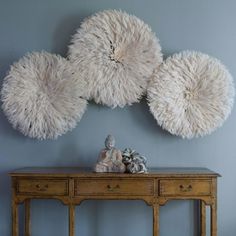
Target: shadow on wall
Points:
(65, 30)
(168, 53)
(75, 156)
(143, 117)
(7, 129)
(5, 189)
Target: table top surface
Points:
(85, 171)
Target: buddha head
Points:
(110, 142)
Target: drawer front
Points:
(114, 187)
(185, 187)
(43, 187)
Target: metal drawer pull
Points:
(111, 188)
(42, 188)
(185, 189)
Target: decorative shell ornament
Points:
(135, 163)
(115, 54)
(40, 96)
(191, 94)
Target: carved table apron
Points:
(73, 185)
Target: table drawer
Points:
(183, 187)
(43, 186)
(114, 187)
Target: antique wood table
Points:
(73, 185)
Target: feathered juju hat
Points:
(41, 97)
(115, 53)
(191, 94)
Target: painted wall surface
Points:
(204, 25)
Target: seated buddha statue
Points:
(110, 158)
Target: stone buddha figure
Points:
(110, 158)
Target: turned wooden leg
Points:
(155, 220)
(15, 218)
(71, 220)
(27, 217)
(203, 218)
(214, 218)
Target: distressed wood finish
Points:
(203, 218)
(15, 211)
(184, 187)
(27, 217)
(73, 185)
(15, 218)
(42, 186)
(123, 186)
(214, 209)
(155, 219)
(71, 220)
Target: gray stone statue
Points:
(110, 158)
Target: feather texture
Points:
(41, 97)
(115, 54)
(191, 94)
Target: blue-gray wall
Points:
(205, 25)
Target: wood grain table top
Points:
(86, 171)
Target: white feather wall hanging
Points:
(41, 97)
(191, 94)
(115, 53)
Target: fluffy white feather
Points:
(41, 97)
(191, 94)
(115, 54)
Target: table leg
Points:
(71, 220)
(27, 217)
(155, 220)
(203, 218)
(15, 218)
(214, 218)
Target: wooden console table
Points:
(73, 185)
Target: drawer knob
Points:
(185, 188)
(112, 188)
(42, 188)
